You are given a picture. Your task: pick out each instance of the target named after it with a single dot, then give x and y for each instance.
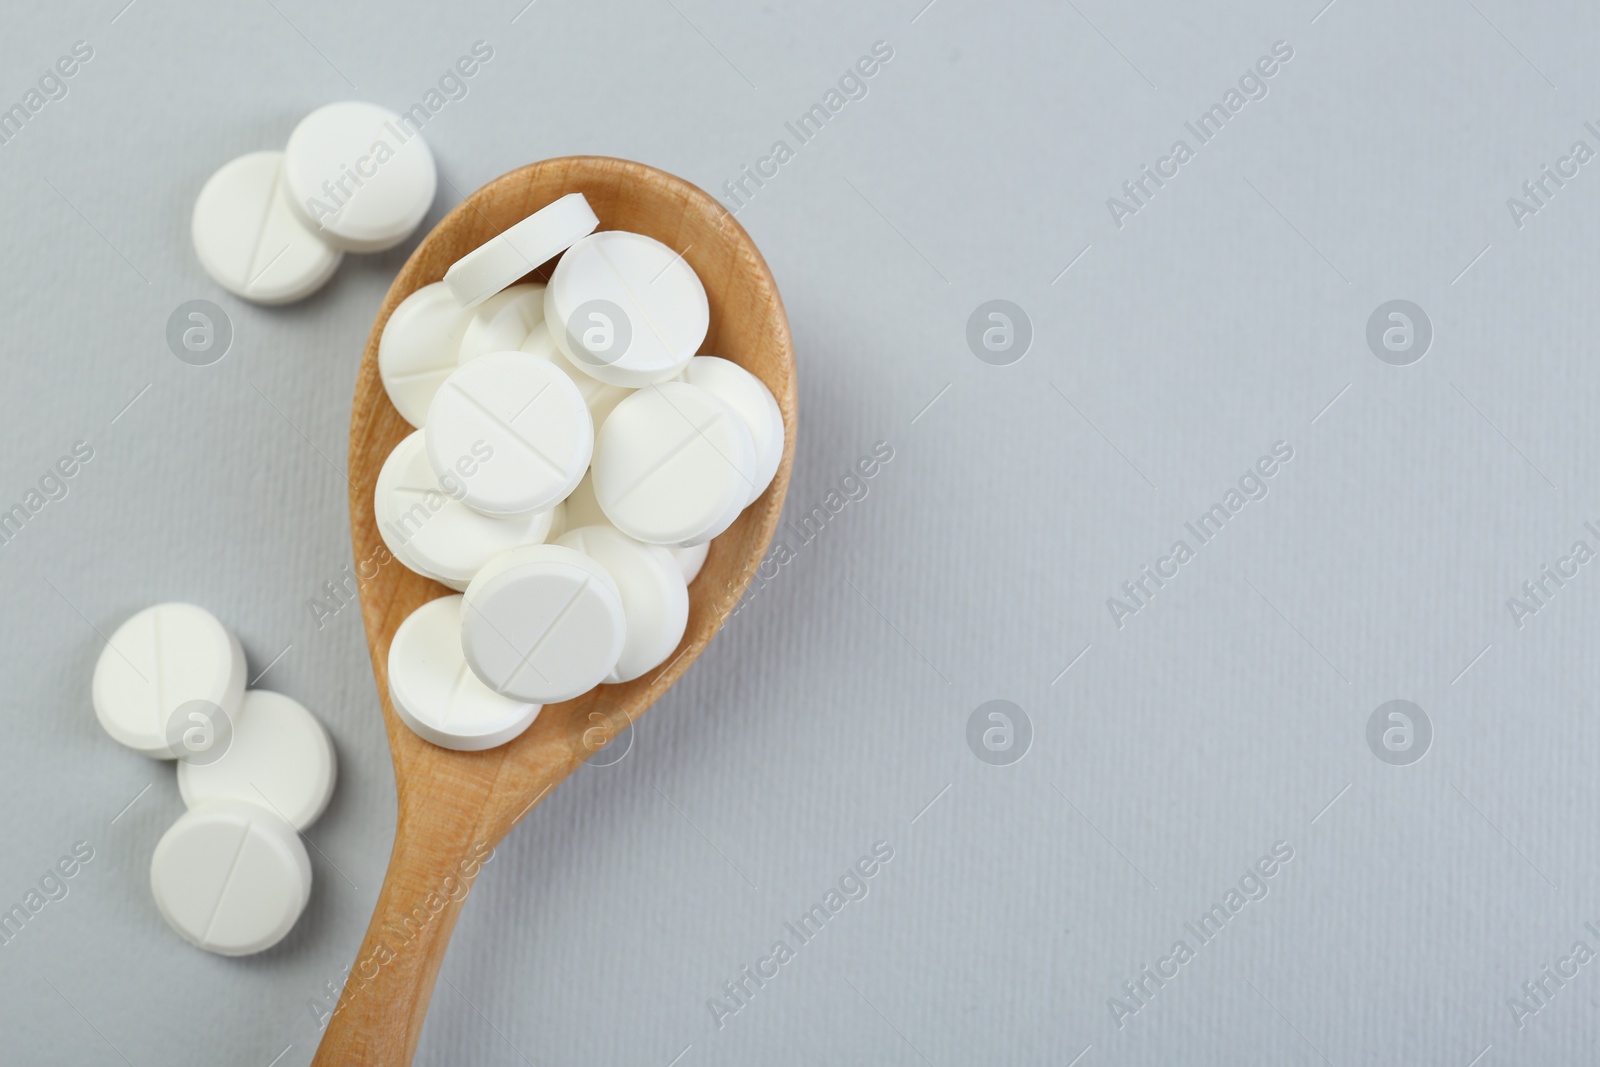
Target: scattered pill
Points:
(501, 260)
(543, 623)
(502, 322)
(515, 429)
(358, 177)
(754, 403)
(419, 348)
(626, 309)
(655, 598)
(673, 465)
(249, 239)
(162, 661)
(230, 877)
(425, 525)
(435, 694)
(280, 757)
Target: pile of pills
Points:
(254, 768)
(572, 461)
(272, 227)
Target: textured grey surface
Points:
(1168, 755)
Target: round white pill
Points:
(691, 559)
(753, 401)
(522, 421)
(401, 551)
(501, 260)
(543, 623)
(231, 877)
(425, 525)
(280, 756)
(435, 694)
(673, 465)
(582, 509)
(502, 322)
(419, 347)
(249, 239)
(601, 398)
(626, 309)
(655, 598)
(358, 175)
(162, 665)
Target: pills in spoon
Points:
(542, 624)
(575, 461)
(674, 465)
(502, 322)
(435, 694)
(504, 258)
(626, 308)
(512, 430)
(755, 405)
(425, 524)
(654, 595)
(419, 348)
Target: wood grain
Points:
(455, 806)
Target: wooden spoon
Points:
(455, 806)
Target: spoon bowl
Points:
(455, 806)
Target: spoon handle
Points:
(439, 848)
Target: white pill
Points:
(231, 877)
(420, 346)
(280, 756)
(601, 398)
(502, 322)
(501, 260)
(249, 239)
(425, 525)
(691, 559)
(755, 404)
(167, 659)
(543, 623)
(626, 309)
(582, 509)
(401, 551)
(435, 694)
(525, 424)
(673, 465)
(358, 176)
(655, 598)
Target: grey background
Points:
(1229, 714)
